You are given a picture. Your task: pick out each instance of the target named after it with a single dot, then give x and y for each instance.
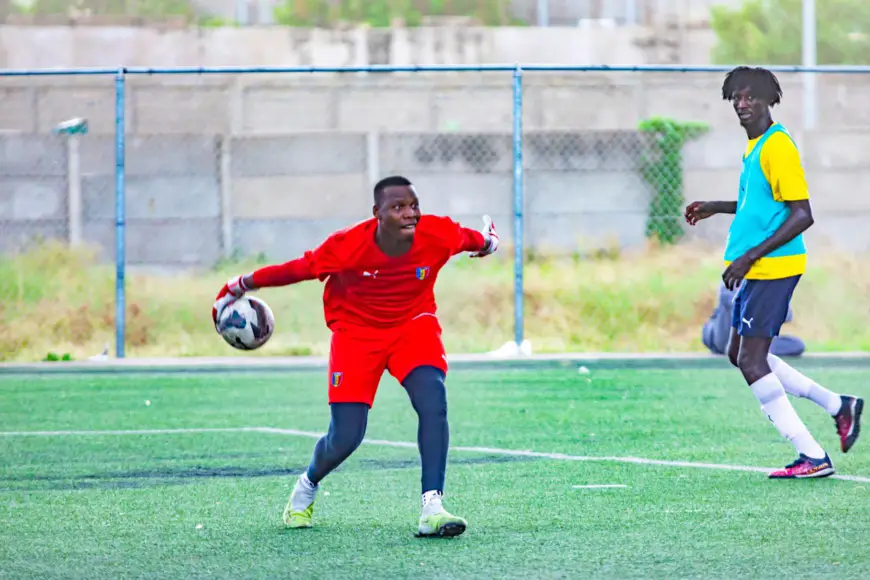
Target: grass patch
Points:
(209, 505)
(54, 299)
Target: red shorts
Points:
(359, 357)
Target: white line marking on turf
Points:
(600, 486)
(411, 445)
(179, 431)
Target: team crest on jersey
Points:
(422, 273)
(335, 379)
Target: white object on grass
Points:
(102, 356)
(511, 349)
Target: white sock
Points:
(303, 493)
(771, 394)
(432, 503)
(802, 386)
(307, 482)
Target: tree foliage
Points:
(381, 13)
(143, 8)
(770, 32)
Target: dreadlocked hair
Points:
(761, 82)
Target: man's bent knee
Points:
(347, 428)
(428, 393)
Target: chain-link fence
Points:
(224, 172)
(56, 214)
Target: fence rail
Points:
(520, 140)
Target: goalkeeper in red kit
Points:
(379, 303)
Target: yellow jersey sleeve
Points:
(782, 166)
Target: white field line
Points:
(179, 431)
(412, 445)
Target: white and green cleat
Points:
(299, 511)
(435, 521)
(441, 525)
(298, 519)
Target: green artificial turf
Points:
(208, 504)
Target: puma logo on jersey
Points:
(367, 274)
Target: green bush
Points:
(770, 32)
(144, 8)
(381, 13)
(662, 168)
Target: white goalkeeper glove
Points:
(490, 239)
(232, 291)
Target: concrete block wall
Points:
(193, 199)
(272, 164)
(836, 163)
(286, 104)
(33, 189)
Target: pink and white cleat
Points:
(848, 421)
(805, 468)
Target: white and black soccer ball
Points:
(247, 323)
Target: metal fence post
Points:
(120, 214)
(518, 205)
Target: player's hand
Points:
(490, 239)
(696, 212)
(737, 270)
(232, 291)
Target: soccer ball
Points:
(247, 323)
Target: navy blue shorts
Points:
(761, 306)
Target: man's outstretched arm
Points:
(700, 210)
(721, 206)
(291, 272)
(275, 275)
(319, 263)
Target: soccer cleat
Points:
(848, 421)
(435, 521)
(441, 525)
(805, 468)
(297, 519)
(296, 516)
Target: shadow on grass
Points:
(146, 478)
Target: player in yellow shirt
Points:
(765, 257)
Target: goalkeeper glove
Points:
(233, 290)
(490, 239)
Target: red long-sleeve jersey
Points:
(365, 287)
